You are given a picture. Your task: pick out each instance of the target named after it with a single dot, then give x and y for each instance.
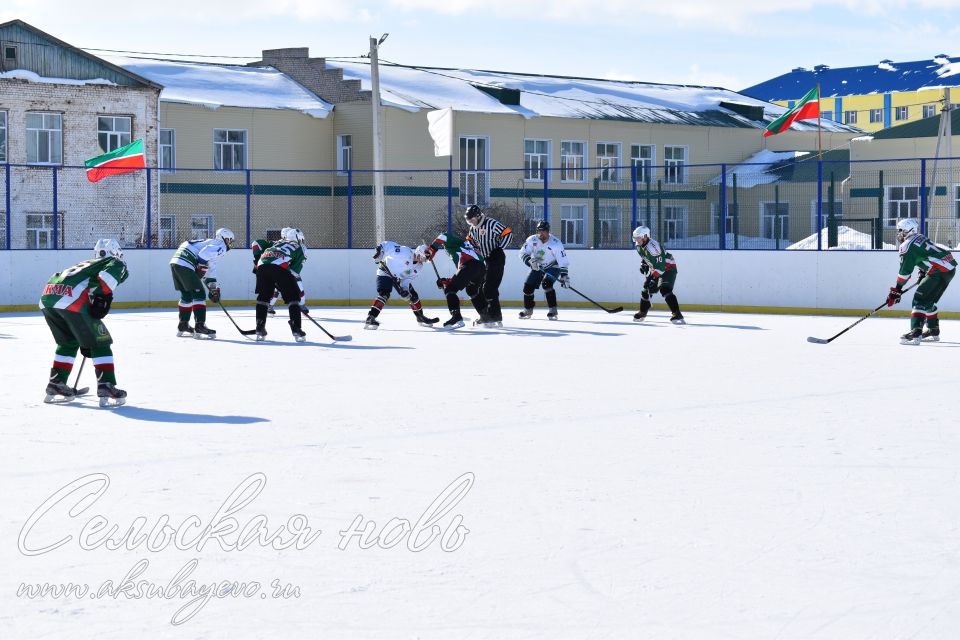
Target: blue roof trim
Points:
(855, 81)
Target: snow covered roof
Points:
(847, 239)
(768, 167)
(416, 88)
(218, 85)
(939, 71)
(30, 76)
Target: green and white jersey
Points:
(289, 255)
(657, 256)
(460, 249)
(71, 288)
(201, 256)
(918, 251)
(258, 247)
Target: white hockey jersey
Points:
(399, 259)
(192, 253)
(549, 253)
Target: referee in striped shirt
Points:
(490, 237)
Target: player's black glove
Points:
(404, 293)
(894, 296)
(100, 305)
(923, 274)
(644, 267)
(215, 294)
(652, 284)
(85, 352)
(442, 283)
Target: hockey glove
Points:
(644, 267)
(214, 294)
(922, 274)
(100, 305)
(442, 283)
(403, 291)
(564, 278)
(535, 264)
(378, 254)
(304, 308)
(894, 296)
(430, 252)
(652, 284)
(202, 269)
(85, 352)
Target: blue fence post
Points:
(923, 196)
(149, 227)
(247, 172)
(722, 214)
(819, 205)
(634, 210)
(450, 196)
(6, 171)
(56, 220)
(350, 208)
(546, 194)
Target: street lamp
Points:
(380, 224)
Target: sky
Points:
(733, 44)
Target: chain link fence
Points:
(795, 204)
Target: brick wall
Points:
(314, 75)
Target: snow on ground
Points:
(725, 479)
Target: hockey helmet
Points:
(473, 211)
(907, 227)
(640, 233)
(420, 254)
(543, 225)
(226, 236)
(291, 234)
(107, 247)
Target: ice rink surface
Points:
(585, 478)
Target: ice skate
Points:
(455, 322)
(110, 395)
(552, 313)
(298, 334)
(424, 321)
(492, 324)
(202, 332)
(371, 323)
(526, 314)
(184, 330)
(912, 337)
(930, 335)
(58, 392)
(639, 316)
(261, 332)
(677, 318)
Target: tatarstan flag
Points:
(122, 160)
(807, 108)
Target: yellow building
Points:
(872, 97)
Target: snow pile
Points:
(755, 170)
(30, 76)
(847, 239)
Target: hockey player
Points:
(469, 276)
(74, 303)
(194, 269)
(937, 267)
(544, 254)
(278, 269)
(661, 271)
(397, 266)
(258, 247)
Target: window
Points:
(9, 61)
(715, 218)
(610, 219)
(850, 117)
(532, 214)
(608, 159)
(837, 212)
(344, 153)
(902, 113)
(929, 110)
(201, 227)
(902, 202)
(674, 223)
(40, 230)
(536, 155)
(674, 163)
(826, 115)
(572, 217)
(473, 170)
(168, 150)
(775, 220)
(3, 136)
(113, 132)
(44, 138)
(876, 115)
(166, 232)
(572, 156)
(229, 149)
(642, 157)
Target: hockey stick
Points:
(332, 337)
(829, 340)
(248, 332)
(396, 282)
(614, 310)
(82, 390)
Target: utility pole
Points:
(380, 217)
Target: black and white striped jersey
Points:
(490, 234)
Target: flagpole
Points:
(819, 128)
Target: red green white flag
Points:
(807, 108)
(122, 160)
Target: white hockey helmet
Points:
(420, 254)
(107, 247)
(640, 233)
(907, 227)
(226, 235)
(291, 234)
